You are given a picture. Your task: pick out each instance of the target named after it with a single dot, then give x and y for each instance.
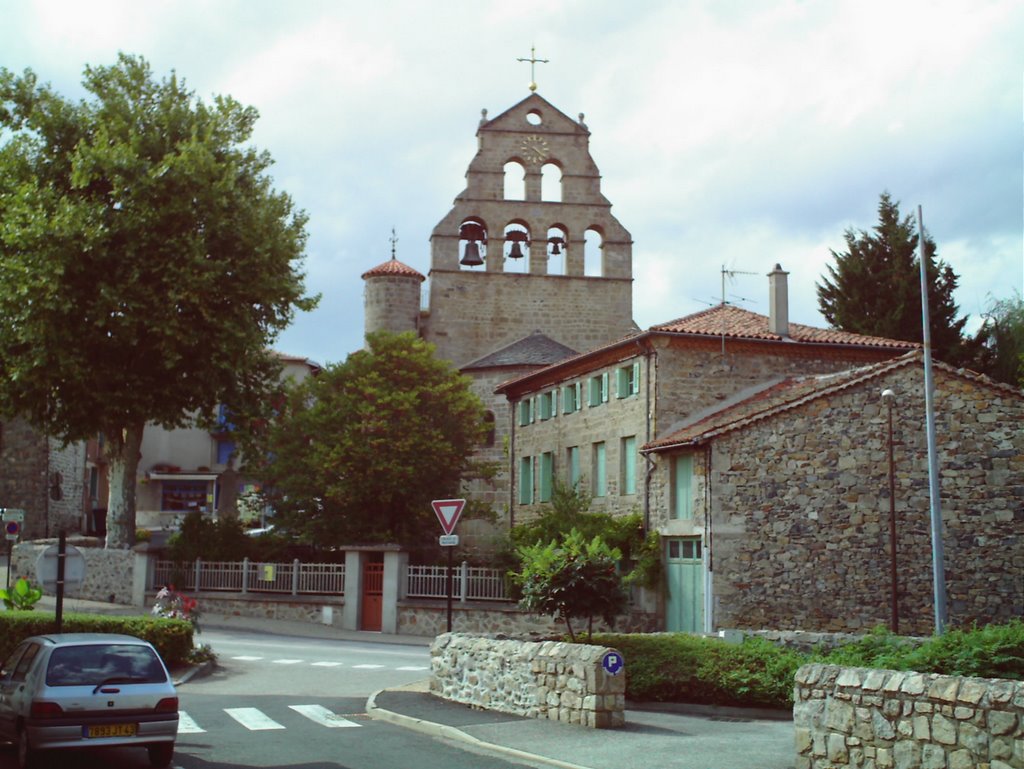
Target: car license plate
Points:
(111, 730)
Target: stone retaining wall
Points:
(553, 680)
(110, 575)
(313, 609)
(430, 618)
(883, 719)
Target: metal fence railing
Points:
(248, 576)
(469, 583)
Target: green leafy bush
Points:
(677, 667)
(992, 651)
(572, 578)
(22, 597)
(172, 638)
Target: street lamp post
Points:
(889, 398)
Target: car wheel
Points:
(160, 754)
(26, 754)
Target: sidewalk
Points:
(652, 739)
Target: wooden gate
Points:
(373, 595)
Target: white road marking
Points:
(286, 662)
(253, 719)
(327, 664)
(321, 715)
(367, 667)
(186, 725)
(413, 667)
(247, 659)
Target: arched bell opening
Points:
(472, 243)
(515, 181)
(551, 183)
(593, 249)
(558, 245)
(517, 247)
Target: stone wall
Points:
(800, 507)
(557, 681)
(110, 575)
(423, 618)
(882, 719)
(313, 609)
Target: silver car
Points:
(87, 690)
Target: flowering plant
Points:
(174, 605)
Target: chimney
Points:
(778, 302)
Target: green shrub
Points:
(172, 638)
(22, 597)
(677, 667)
(992, 651)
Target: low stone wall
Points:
(314, 609)
(430, 618)
(553, 680)
(109, 574)
(882, 719)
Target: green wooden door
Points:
(684, 571)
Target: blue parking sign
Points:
(612, 663)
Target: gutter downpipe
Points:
(650, 462)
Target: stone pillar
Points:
(142, 573)
(395, 564)
(353, 589)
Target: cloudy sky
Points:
(735, 134)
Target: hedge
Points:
(172, 638)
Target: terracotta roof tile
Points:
(737, 323)
(393, 267)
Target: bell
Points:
(516, 252)
(555, 250)
(472, 256)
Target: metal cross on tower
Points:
(534, 61)
(394, 242)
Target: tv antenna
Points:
(730, 274)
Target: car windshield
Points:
(95, 664)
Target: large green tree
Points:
(874, 288)
(1000, 341)
(146, 264)
(358, 452)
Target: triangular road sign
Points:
(448, 512)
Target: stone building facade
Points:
(788, 501)
(43, 478)
(518, 266)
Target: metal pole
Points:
(938, 555)
(889, 397)
(450, 549)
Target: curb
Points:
(201, 670)
(452, 733)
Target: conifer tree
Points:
(874, 288)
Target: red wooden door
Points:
(373, 595)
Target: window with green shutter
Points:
(598, 389)
(526, 412)
(547, 475)
(526, 481)
(600, 485)
(628, 465)
(682, 487)
(627, 380)
(572, 464)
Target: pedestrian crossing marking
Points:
(247, 659)
(286, 662)
(186, 725)
(321, 715)
(328, 664)
(253, 719)
(413, 667)
(367, 667)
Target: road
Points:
(280, 701)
